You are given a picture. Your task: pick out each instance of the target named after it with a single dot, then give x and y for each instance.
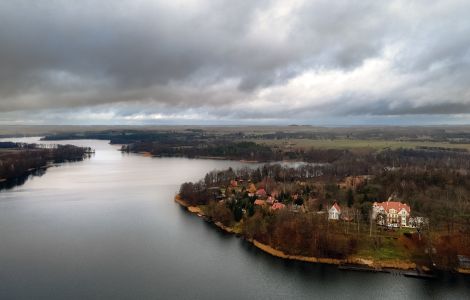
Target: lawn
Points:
(389, 249)
(356, 144)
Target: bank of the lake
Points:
(366, 262)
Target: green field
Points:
(389, 249)
(356, 144)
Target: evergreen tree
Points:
(350, 198)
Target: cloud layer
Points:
(145, 61)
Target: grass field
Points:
(389, 249)
(356, 144)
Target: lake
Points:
(107, 227)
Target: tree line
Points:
(18, 159)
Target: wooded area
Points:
(18, 160)
(434, 182)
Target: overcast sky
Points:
(234, 62)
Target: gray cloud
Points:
(233, 59)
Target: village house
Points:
(418, 222)
(251, 190)
(347, 214)
(391, 213)
(270, 200)
(260, 202)
(275, 194)
(278, 206)
(261, 193)
(334, 212)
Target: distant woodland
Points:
(127, 134)
(18, 160)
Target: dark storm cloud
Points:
(222, 57)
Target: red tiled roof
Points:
(335, 205)
(278, 205)
(261, 192)
(398, 206)
(260, 202)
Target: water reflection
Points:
(11, 183)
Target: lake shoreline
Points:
(247, 161)
(354, 263)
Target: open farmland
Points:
(356, 144)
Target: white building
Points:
(334, 212)
(391, 213)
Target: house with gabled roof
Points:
(278, 206)
(391, 213)
(261, 193)
(251, 190)
(334, 212)
(260, 202)
(270, 200)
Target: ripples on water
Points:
(107, 227)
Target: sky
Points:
(317, 62)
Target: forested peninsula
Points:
(334, 212)
(19, 160)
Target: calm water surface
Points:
(107, 227)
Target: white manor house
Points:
(391, 213)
